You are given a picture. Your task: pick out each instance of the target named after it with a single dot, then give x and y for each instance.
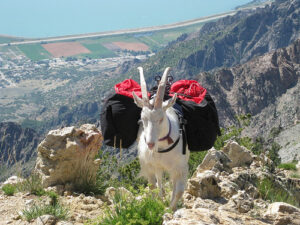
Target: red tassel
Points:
(170, 140)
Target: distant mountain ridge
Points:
(231, 40)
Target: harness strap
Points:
(182, 131)
(167, 137)
(182, 134)
(171, 147)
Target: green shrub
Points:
(295, 175)
(9, 189)
(115, 173)
(287, 166)
(129, 175)
(246, 142)
(106, 174)
(226, 134)
(32, 184)
(54, 208)
(244, 119)
(258, 146)
(38, 210)
(274, 153)
(148, 210)
(196, 158)
(87, 184)
(275, 131)
(269, 191)
(53, 196)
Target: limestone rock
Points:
(64, 223)
(67, 155)
(281, 207)
(46, 220)
(228, 188)
(192, 202)
(244, 179)
(266, 162)
(283, 214)
(203, 216)
(12, 180)
(242, 201)
(82, 208)
(214, 160)
(204, 185)
(239, 155)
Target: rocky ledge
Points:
(226, 188)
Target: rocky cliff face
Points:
(83, 113)
(17, 144)
(267, 87)
(239, 38)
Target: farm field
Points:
(97, 51)
(131, 46)
(63, 49)
(34, 51)
(104, 47)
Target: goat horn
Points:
(143, 86)
(161, 89)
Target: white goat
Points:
(159, 130)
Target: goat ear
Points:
(137, 100)
(170, 102)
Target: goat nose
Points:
(150, 145)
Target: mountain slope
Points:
(17, 145)
(267, 87)
(231, 40)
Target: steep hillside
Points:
(231, 40)
(290, 141)
(267, 87)
(17, 145)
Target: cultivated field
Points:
(34, 51)
(133, 46)
(98, 51)
(65, 49)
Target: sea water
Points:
(49, 18)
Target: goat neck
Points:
(164, 127)
(166, 131)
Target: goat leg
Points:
(159, 178)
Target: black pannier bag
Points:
(120, 115)
(199, 112)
